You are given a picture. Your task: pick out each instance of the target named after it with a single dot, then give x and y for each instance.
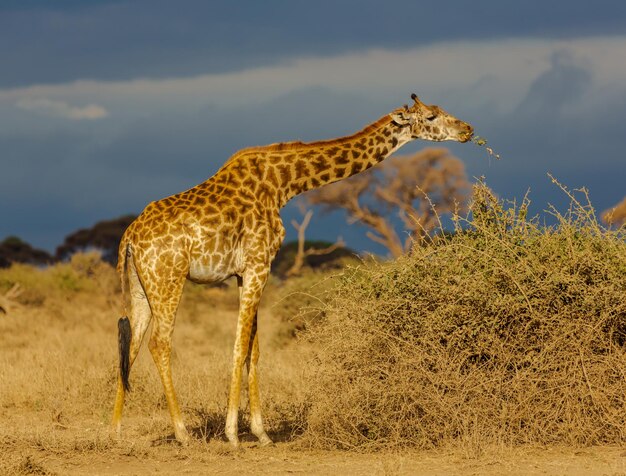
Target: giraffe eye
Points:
(432, 117)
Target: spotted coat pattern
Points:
(230, 225)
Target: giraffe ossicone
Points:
(230, 225)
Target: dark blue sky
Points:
(107, 105)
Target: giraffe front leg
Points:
(251, 287)
(256, 418)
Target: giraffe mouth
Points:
(467, 135)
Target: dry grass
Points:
(505, 333)
(58, 358)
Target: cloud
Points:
(159, 39)
(564, 84)
(170, 134)
(500, 72)
(62, 109)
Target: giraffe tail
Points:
(123, 325)
(123, 339)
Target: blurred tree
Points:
(104, 236)
(303, 252)
(416, 188)
(286, 256)
(616, 215)
(15, 250)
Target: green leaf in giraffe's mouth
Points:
(482, 142)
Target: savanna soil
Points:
(57, 378)
(284, 459)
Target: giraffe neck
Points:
(307, 166)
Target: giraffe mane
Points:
(285, 146)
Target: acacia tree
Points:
(415, 188)
(616, 215)
(302, 252)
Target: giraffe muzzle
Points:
(467, 135)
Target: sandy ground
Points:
(283, 459)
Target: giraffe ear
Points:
(402, 117)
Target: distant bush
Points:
(85, 272)
(104, 236)
(16, 250)
(504, 332)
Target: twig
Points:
(582, 364)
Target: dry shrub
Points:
(505, 332)
(30, 466)
(298, 301)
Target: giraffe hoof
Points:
(233, 440)
(183, 438)
(265, 440)
(115, 431)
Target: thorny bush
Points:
(506, 331)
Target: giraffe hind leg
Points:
(131, 330)
(256, 419)
(161, 348)
(160, 344)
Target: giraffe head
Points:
(431, 122)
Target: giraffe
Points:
(230, 225)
